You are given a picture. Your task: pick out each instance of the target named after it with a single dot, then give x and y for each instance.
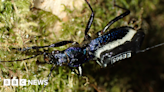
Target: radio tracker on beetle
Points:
(109, 47)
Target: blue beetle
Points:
(107, 48)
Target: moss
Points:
(22, 26)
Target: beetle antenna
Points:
(150, 48)
(58, 44)
(24, 58)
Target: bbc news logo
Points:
(23, 82)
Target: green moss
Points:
(23, 26)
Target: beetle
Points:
(107, 48)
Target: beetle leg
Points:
(89, 22)
(127, 12)
(80, 70)
(49, 75)
(98, 61)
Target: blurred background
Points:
(25, 23)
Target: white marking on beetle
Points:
(115, 43)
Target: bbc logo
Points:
(14, 82)
(23, 82)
